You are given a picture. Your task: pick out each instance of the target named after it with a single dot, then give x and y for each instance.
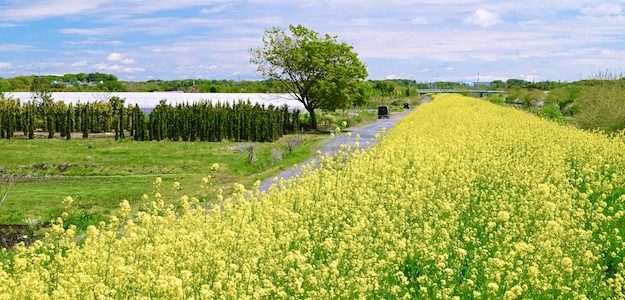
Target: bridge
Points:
(456, 91)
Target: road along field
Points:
(462, 199)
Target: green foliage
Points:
(601, 107)
(320, 72)
(495, 98)
(524, 84)
(77, 217)
(551, 111)
(92, 167)
(527, 97)
(4, 85)
(215, 122)
(112, 86)
(563, 97)
(339, 118)
(200, 121)
(498, 84)
(93, 82)
(40, 89)
(364, 91)
(10, 113)
(117, 106)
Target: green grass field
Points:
(99, 173)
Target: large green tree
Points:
(318, 71)
(40, 89)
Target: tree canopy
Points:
(319, 71)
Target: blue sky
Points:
(421, 40)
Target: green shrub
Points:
(563, 97)
(79, 218)
(551, 111)
(601, 107)
(495, 98)
(528, 97)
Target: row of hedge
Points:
(202, 121)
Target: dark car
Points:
(382, 112)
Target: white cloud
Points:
(120, 63)
(5, 65)
(210, 67)
(215, 9)
(484, 78)
(392, 76)
(484, 18)
(117, 68)
(422, 35)
(118, 57)
(531, 77)
(419, 21)
(99, 31)
(21, 11)
(606, 9)
(81, 63)
(94, 41)
(175, 25)
(114, 56)
(13, 47)
(100, 66)
(48, 8)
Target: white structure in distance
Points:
(151, 99)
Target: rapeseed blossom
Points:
(461, 199)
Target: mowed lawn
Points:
(99, 173)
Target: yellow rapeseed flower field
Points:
(463, 199)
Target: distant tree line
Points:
(79, 82)
(201, 121)
(98, 82)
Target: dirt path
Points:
(366, 133)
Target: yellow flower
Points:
(68, 201)
(503, 216)
(124, 208)
(459, 184)
(493, 287)
(567, 262)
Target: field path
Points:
(332, 145)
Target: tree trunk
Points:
(313, 117)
